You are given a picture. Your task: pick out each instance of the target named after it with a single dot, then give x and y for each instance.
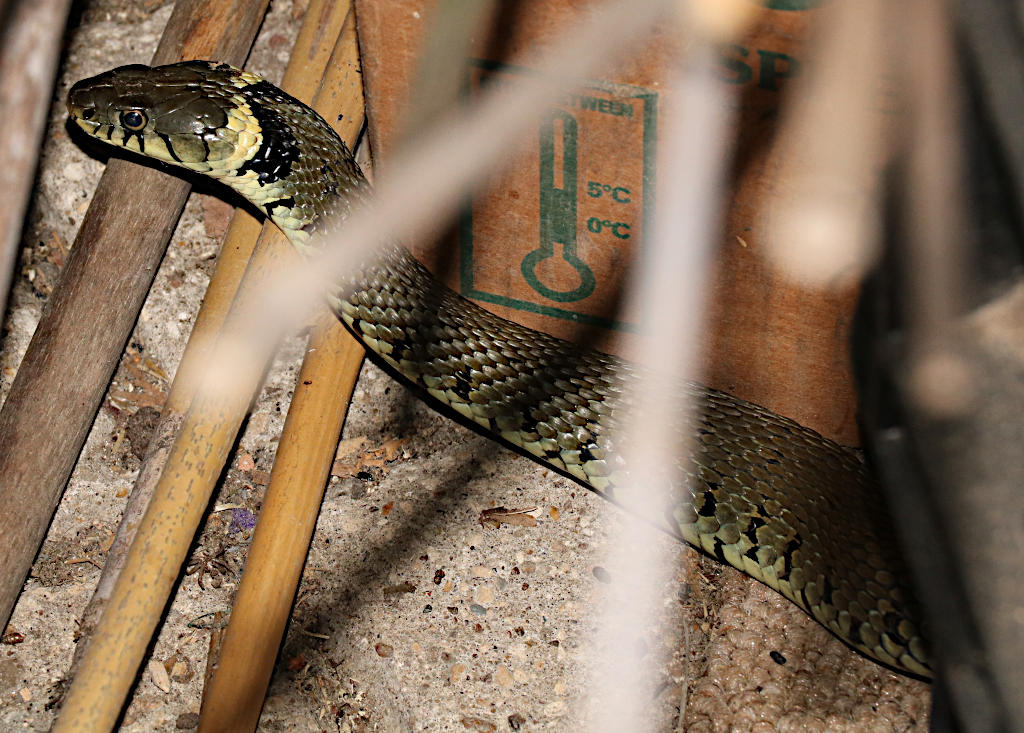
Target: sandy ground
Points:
(412, 615)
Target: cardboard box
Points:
(547, 242)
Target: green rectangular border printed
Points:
(650, 102)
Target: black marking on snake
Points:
(110, 133)
(128, 134)
(891, 621)
(827, 589)
(707, 509)
(279, 150)
(287, 203)
(751, 532)
(402, 349)
(167, 143)
(463, 385)
(719, 550)
(787, 556)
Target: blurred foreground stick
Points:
(91, 313)
(29, 51)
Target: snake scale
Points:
(774, 499)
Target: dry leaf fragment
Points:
(260, 478)
(350, 446)
(296, 663)
(159, 675)
(497, 516)
(347, 463)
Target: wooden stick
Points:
(234, 697)
(29, 51)
(162, 540)
(309, 58)
(91, 313)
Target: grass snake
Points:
(776, 500)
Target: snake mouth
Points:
(82, 112)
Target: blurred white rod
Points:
(668, 289)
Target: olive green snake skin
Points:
(771, 498)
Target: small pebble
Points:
(777, 657)
(484, 595)
(502, 677)
(384, 650)
(187, 721)
(74, 171)
(478, 609)
(479, 571)
(601, 574)
(428, 608)
(479, 724)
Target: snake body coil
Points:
(771, 498)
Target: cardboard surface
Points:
(547, 243)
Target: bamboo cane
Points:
(123, 633)
(234, 697)
(321, 24)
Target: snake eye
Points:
(88, 113)
(134, 119)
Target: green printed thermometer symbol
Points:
(558, 212)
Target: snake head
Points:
(231, 125)
(189, 114)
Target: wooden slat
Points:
(90, 315)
